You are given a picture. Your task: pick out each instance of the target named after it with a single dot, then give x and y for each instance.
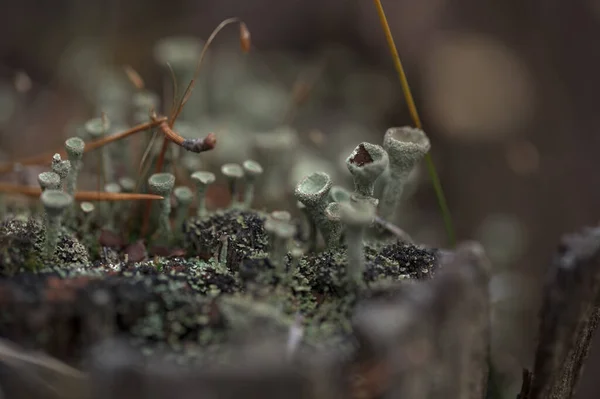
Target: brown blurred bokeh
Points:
(506, 90)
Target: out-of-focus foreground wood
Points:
(425, 339)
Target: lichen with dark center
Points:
(362, 156)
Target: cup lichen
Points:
(234, 174)
(61, 168)
(366, 163)
(55, 203)
(405, 146)
(252, 170)
(184, 197)
(313, 191)
(74, 147)
(162, 184)
(49, 181)
(202, 179)
(356, 216)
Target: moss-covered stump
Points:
(190, 308)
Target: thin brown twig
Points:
(134, 77)
(210, 140)
(245, 45)
(30, 191)
(46, 158)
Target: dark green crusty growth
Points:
(190, 309)
(22, 247)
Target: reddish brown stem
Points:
(46, 158)
(80, 195)
(194, 145)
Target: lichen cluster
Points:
(189, 308)
(194, 286)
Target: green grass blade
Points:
(435, 180)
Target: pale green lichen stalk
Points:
(96, 128)
(313, 192)
(113, 209)
(55, 203)
(61, 168)
(405, 146)
(356, 216)
(280, 230)
(162, 184)
(74, 147)
(311, 227)
(296, 253)
(87, 208)
(202, 179)
(333, 214)
(184, 197)
(252, 170)
(234, 174)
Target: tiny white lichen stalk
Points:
(253, 171)
(55, 203)
(162, 184)
(357, 216)
(202, 179)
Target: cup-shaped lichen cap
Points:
(87, 207)
(60, 167)
(280, 227)
(75, 147)
(49, 181)
(405, 146)
(161, 183)
(127, 184)
(366, 163)
(203, 178)
(112, 188)
(333, 212)
(252, 169)
(361, 213)
(97, 127)
(55, 201)
(313, 189)
(232, 171)
(184, 195)
(281, 216)
(339, 194)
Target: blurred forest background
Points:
(506, 91)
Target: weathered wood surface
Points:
(427, 339)
(433, 338)
(568, 318)
(415, 340)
